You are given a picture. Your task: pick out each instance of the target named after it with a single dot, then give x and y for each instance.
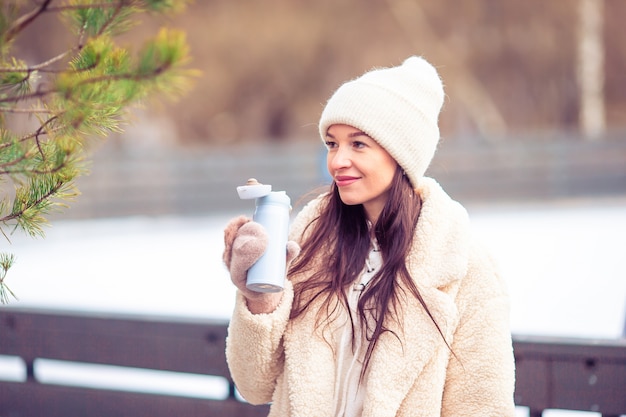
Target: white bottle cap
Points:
(253, 189)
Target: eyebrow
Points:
(351, 135)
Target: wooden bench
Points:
(572, 374)
(149, 343)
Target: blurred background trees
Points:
(510, 68)
(268, 67)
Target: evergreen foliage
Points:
(73, 96)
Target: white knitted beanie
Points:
(398, 107)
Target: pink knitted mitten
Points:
(245, 242)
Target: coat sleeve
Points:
(254, 349)
(480, 377)
(254, 345)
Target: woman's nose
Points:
(338, 160)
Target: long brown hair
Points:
(341, 237)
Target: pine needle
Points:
(6, 260)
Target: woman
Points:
(391, 307)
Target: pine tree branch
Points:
(5, 235)
(49, 194)
(35, 171)
(39, 131)
(121, 77)
(117, 11)
(21, 23)
(85, 97)
(122, 3)
(6, 260)
(29, 96)
(25, 157)
(5, 291)
(28, 111)
(12, 163)
(33, 135)
(15, 70)
(25, 20)
(103, 78)
(28, 18)
(41, 67)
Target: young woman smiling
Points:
(391, 307)
(362, 169)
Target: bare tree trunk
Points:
(591, 68)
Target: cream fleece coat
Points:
(288, 362)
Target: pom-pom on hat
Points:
(398, 107)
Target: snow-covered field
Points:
(564, 262)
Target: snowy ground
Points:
(564, 263)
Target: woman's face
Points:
(361, 168)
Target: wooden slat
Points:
(531, 384)
(571, 374)
(183, 346)
(37, 400)
(570, 347)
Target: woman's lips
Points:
(343, 180)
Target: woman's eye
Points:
(330, 144)
(357, 144)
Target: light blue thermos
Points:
(272, 212)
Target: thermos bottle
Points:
(272, 212)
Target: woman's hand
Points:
(245, 242)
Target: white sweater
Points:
(349, 391)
